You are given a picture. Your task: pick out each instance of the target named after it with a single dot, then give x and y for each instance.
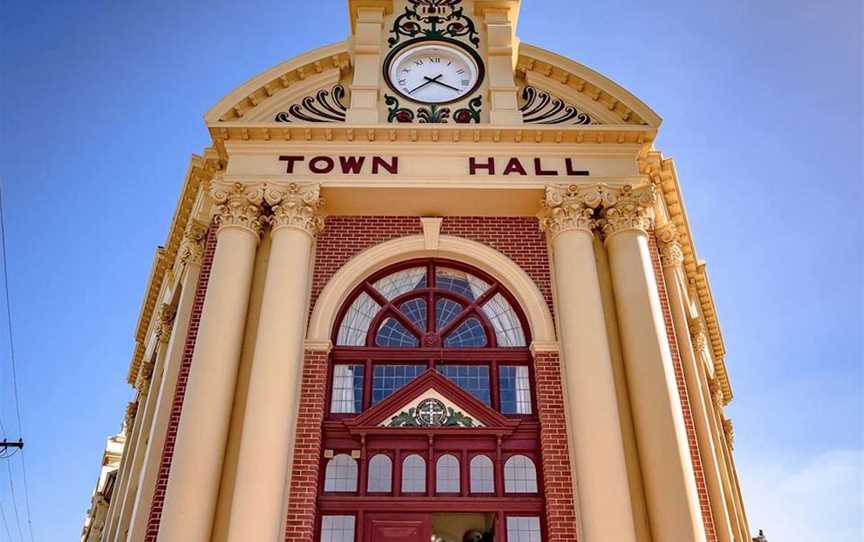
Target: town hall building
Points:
(430, 283)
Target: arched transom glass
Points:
(431, 304)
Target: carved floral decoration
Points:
(434, 19)
(541, 107)
(433, 114)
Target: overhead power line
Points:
(20, 444)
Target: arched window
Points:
(482, 475)
(414, 474)
(430, 314)
(447, 476)
(341, 474)
(520, 475)
(380, 474)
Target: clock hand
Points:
(428, 80)
(444, 84)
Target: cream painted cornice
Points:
(200, 169)
(620, 134)
(662, 172)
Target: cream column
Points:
(266, 443)
(672, 258)
(605, 505)
(189, 255)
(670, 485)
(196, 467)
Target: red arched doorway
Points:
(430, 431)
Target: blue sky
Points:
(102, 105)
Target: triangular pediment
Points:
(431, 402)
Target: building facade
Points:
(429, 283)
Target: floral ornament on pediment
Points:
(542, 107)
(431, 410)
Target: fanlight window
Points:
(431, 305)
(414, 474)
(380, 474)
(482, 475)
(341, 474)
(447, 477)
(520, 475)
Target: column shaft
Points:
(605, 504)
(165, 389)
(670, 485)
(196, 467)
(266, 445)
(673, 274)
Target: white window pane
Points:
(355, 324)
(460, 282)
(341, 474)
(337, 529)
(414, 474)
(502, 316)
(520, 476)
(347, 392)
(482, 475)
(523, 529)
(447, 475)
(380, 474)
(392, 286)
(523, 390)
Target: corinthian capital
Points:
(698, 334)
(628, 209)
(238, 205)
(571, 208)
(192, 246)
(167, 312)
(296, 206)
(671, 254)
(729, 431)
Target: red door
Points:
(398, 528)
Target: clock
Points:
(433, 72)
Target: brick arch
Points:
(526, 292)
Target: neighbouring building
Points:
(428, 283)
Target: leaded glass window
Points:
(447, 476)
(393, 334)
(471, 378)
(337, 529)
(470, 334)
(414, 474)
(388, 378)
(520, 475)
(514, 386)
(505, 321)
(482, 475)
(347, 391)
(356, 322)
(341, 474)
(380, 474)
(523, 529)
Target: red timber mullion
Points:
(155, 517)
(680, 382)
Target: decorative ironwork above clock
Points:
(435, 19)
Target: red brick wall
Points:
(300, 521)
(519, 238)
(557, 478)
(180, 390)
(695, 457)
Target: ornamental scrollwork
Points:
(431, 413)
(324, 106)
(434, 113)
(165, 322)
(541, 107)
(192, 246)
(434, 19)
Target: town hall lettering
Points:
(377, 165)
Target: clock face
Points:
(433, 72)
